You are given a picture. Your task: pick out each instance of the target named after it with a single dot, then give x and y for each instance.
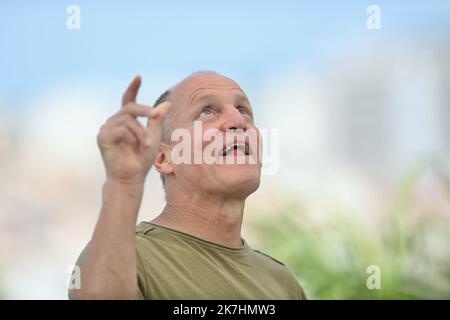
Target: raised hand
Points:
(128, 148)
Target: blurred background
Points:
(363, 116)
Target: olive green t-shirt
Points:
(175, 265)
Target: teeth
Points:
(242, 147)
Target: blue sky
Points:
(249, 39)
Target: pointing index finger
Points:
(132, 91)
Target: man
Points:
(193, 249)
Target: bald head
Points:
(196, 79)
(185, 89)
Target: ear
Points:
(162, 162)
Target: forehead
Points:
(187, 90)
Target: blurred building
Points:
(388, 109)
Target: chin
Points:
(240, 179)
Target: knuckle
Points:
(130, 109)
(101, 136)
(111, 118)
(121, 131)
(101, 131)
(128, 117)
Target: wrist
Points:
(124, 187)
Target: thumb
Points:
(159, 115)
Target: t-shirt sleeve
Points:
(298, 292)
(141, 293)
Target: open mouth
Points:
(236, 148)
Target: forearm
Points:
(108, 269)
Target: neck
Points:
(215, 220)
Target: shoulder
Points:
(296, 290)
(272, 266)
(144, 228)
(146, 243)
(267, 257)
(148, 235)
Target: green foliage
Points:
(330, 258)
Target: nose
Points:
(233, 120)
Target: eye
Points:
(243, 111)
(206, 111)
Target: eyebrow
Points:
(241, 98)
(200, 97)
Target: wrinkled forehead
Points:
(187, 89)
